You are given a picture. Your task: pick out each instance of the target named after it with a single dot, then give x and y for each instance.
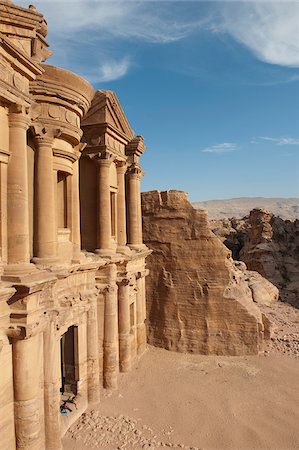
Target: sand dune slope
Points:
(192, 401)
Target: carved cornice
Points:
(33, 68)
(58, 86)
(107, 114)
(25, 23)
(61, 99)
(135, 147)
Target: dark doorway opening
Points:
(69, 360)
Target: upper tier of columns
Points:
(104, 161)
(17, 194)
(134, 217)
(45, 239)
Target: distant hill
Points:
(286, 208)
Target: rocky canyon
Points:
(267, 244)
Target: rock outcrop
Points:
(268, 245)
(198, 299)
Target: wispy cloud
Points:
(269, 29)
(276, 141)
(142, 20)
(221, 148)
(110, 70)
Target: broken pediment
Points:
(106, 110)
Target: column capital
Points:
(104, 158)
(142, 273)
(18, 117)
(45, 135)
(20, 332)
(123, 282)
(134, 170)
(121, 167)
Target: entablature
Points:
(16, 71)
(27, 28)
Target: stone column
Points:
(26, 373)
(17, 195)
(132, 205)
(110, 345)
(52, 382)
(124, 326)
(104, 161)
(93, 370)
(76, 236)
(45, 233)
(138, 183)
(121, 206)
(140, 316)
(3, 211)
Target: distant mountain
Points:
(286, 208)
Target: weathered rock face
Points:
(198, 299)
(268, 245)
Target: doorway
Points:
(69, 360)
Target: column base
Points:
(123, 249)
(137, 247)
(105, 252)
(78, 258)
(45, 261)
(19, 273)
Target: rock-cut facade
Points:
(72, 290)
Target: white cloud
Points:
(269, 29)
(142, 20)
(281, 140)
(221, 148)
(110, 70)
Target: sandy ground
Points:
(202, 402)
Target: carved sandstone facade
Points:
(72, 292)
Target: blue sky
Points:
(212, 86)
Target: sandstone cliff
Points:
(268, 245)
(198, 299)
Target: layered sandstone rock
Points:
(268, 245)
(198, 299)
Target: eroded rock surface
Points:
(268, 245)
(198, 299)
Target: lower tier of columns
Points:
(73, 357)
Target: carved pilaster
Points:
(124, 325)
(134, 205)
(121, 167)
(26, 394)
(93, 368)
(104, 161)
(110, 368)
(17, 193)
(45, 236)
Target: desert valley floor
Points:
(202, 402)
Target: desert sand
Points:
(202, 402)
